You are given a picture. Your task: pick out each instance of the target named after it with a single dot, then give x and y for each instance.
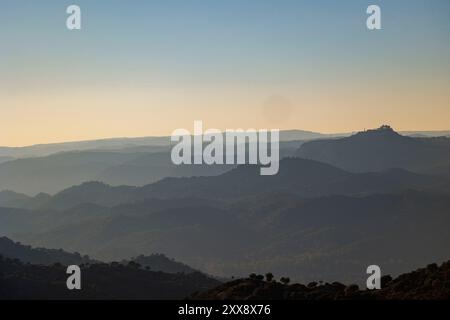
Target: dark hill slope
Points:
(99, 281)
(430, 283)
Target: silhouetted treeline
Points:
(430, 283)
(159, 262)
(99, 281)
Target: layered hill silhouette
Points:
(331, 237)
(48, 257)
(305, 178)
(99, 281)
(430, 283)
(131, 144)
(39, 256)
(124, 161)
(135, 162)
(55, 172)
(132, 166)
(381, 149)
(380, 202)
(116, 281)
(39, 278)
(158, 143)
(13, 199)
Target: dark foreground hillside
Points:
(430, 283)
(118, 281)
(99, 281)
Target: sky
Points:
(141, 68)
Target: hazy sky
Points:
(148, 67)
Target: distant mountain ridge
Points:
(380, 149)
(56, 172)
(384, 200)
(330, 237)
(306, 178)
(40, 150)
(132, 166)
(138, 162)
(115, 144)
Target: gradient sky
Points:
(141, 68)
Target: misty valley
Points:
(224, 158)
(373, 198)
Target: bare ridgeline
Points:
(337, 204)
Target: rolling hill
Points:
(430, 283)
(305, 178)
(311, 221)
(328, 238)
(47, 257)
(19, 281)
(380, 149)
